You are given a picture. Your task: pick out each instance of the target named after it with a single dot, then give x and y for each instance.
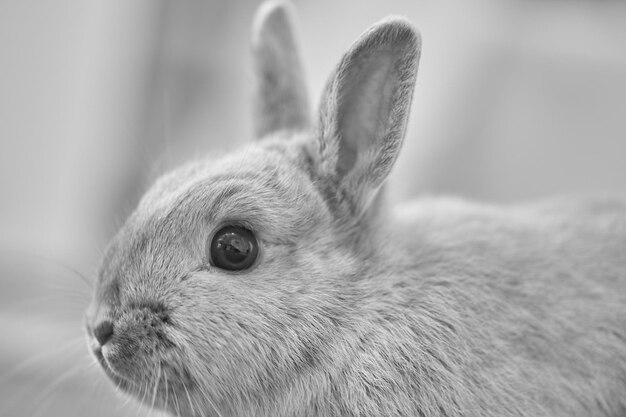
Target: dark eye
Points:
(233, 248)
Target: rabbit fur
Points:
(439, 307)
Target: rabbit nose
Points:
(103, 332)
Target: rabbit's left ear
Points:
(281, 100)
(363, 113)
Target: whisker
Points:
(76, 272)
(23, 365)
(193, 409)
(78, 303)
(62, 288)
(143, 387)
(145, 391)
(156, 387)
(177, 404)
(166, 390)
(205, 396)
(51, 261)
(212, 404)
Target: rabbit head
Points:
(231, 288)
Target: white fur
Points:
(440, 307)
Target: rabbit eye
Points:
(233, 248)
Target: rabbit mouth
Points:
(118, 379)
(157, 379)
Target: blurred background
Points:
(516, 100)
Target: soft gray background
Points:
(516, 100)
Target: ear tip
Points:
(273, 15)
(397, 30)
(405, 27)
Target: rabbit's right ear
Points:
(363, 115)
(281, 100)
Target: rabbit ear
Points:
(281, 100)
(364, 110)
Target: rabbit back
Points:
(516, 311)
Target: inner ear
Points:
(365, 106)
(363, 112)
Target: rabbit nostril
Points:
(103, 332)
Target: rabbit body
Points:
(439, 307)
(522, 308)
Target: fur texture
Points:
(281, 100)
(435, 308)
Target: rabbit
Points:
(278, 281)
